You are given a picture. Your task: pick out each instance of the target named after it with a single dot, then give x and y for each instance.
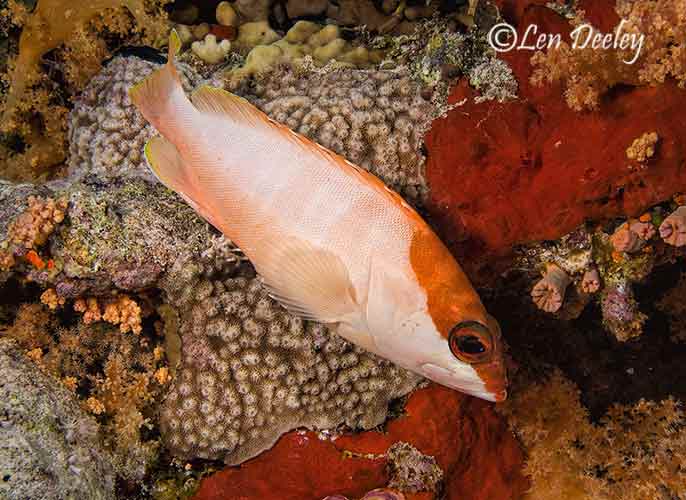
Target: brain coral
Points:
(251, 371)
(106, 132)
(376, 119)
(49, 448)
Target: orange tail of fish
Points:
(154, 96)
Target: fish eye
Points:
(471, 342)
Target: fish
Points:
(331, 242)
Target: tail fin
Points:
(152, 95)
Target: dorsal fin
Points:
(210, 99)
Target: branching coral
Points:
(588, 72)
(251, 371)
(210, 51)
(120, 310)
(633, 453)
(31, 228)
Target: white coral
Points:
(210, 51)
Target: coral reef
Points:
(588, 73)
(632, 453)
(260, 372)
(30, 230)
(34, 111)
(376, 119)
(117, 376)
(478, 455)
(106, 132)
(526, 173)
(49, 447)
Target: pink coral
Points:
(673, 228)
(549, 293)
(631, 236)
(590, 283)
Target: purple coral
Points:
(620, 312)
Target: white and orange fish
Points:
(329, 239)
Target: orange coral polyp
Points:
(34, 259)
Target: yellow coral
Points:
(162, 375)
(95, 406)
(588, 72)
(32, 228)
(70, 383)
(50, 298)
(78, 33)
(121, 310)
(35, 354)
(90, 309)
(643, 147)
(124, 312)
(631, 455)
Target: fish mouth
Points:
(470, 384)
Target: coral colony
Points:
(142, 356)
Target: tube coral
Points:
(673, 228)
(590, 283)
(549, 293)
(632, 236)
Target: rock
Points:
(301, 8)
(226, 15)
(472, 445)
(253, 10)
(49, 447)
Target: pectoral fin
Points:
(308, 281)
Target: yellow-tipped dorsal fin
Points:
(210, 99)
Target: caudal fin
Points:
(153, 96)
